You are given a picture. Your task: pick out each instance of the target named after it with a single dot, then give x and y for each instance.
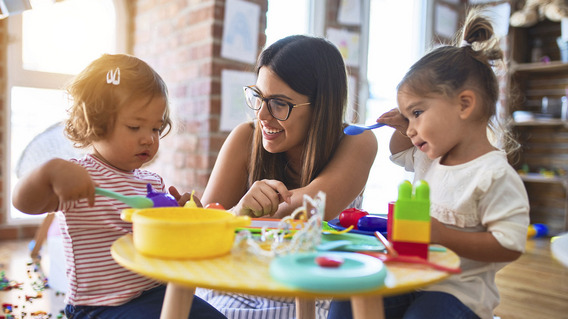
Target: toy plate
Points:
(334, 223)
(349, 242)
(358, 272)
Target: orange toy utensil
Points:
(388, 246)
(392, 255)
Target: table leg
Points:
(305, 308)
(177, 302)
(368, 307)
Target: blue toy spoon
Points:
(358, 129)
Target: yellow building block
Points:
(411, 231)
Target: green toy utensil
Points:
(135, 201)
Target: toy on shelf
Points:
(534, 11)
(537, 231)
(411, 220)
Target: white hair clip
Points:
(113, 76)
(465, 44)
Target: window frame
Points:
(18, 76)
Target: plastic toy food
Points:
(350, 217)
(329, 261)
(372, 223)
(215, 206)
(160, 199)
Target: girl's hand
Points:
(262, 198)
(70, 181)
(394, 119)
(182, 199)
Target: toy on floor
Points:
(537, 231)
(7, 284)
(411, 220)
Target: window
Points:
(390, 55)
(43, 55)
(285, 18)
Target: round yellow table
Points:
(250, 275)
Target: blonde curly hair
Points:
(96, 102)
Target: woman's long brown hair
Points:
(313, 67)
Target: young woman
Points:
(296, 145)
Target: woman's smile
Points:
(271, 133)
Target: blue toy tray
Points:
(334, 223)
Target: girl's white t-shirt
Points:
(483, 195)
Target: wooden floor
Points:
(533, 287)
(17, 265)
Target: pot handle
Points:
(239, 221)
(126, 214)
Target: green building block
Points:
(413, 205)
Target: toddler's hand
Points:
(394, 119)
(262, 198)
(70, 181)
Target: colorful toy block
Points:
(410, 229)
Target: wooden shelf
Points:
(539, 178)
(543, 139)
(553, 66)
(542, 122)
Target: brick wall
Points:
(181, 39)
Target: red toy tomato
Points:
(350, 217)
(215, 206)
(329, 261)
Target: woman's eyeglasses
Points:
(279, 109)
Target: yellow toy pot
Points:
(183, 233)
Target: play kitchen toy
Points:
(182, 232)
(410, 231)
(393, 256)
(360, 222)
(358, 129)
(152, 198)
(329, 271)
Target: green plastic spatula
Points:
(135, 201)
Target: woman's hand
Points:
(394, 119)
(262, 198)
